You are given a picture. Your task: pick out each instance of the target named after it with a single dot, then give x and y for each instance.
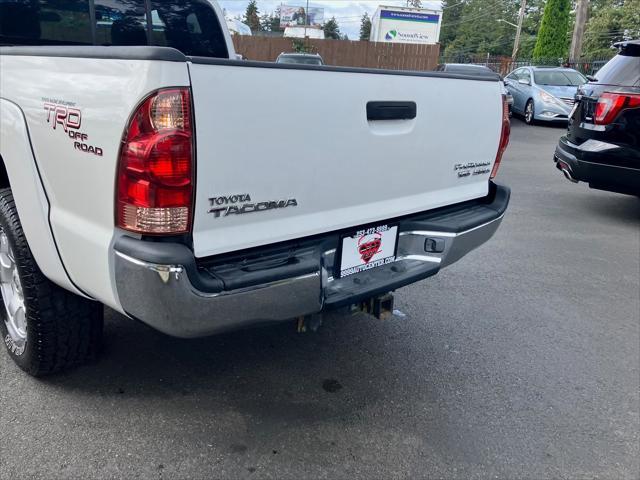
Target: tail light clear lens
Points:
(611, 104)
(504, 136)
(155, 172)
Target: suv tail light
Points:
(156, 166)
(504, 136)
(611, 104)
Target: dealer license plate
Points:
(368, 248)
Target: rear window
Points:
(621, 70)
(191, 27)
(559, 78)
(45, 22)
(300, 60)
(121, 22)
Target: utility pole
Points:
(582, 12)
(516, 43)
(306, 19)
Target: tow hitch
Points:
(380, 307)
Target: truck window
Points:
(45, 22)
(121, 22)
(191, 27)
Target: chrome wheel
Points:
(12, 296)
(528, 112)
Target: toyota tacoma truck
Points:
(141, 169)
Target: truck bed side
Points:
(104, 85)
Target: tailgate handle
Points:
(391, 110)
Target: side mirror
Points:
(523, 81)
(591, 78)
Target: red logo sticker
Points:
(368, 246)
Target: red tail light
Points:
(504, 136)
(611, 104)
(155, 173)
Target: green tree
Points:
(265, 22)
(331, 29)
(252, 16)
(451, 14)
(478, 32)
(275, 21)
(553, 37)
(365, 27)
(300, 46)
(610, 22)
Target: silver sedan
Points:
(544, 93)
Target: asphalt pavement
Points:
(520, 361)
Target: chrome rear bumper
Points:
(164, 295)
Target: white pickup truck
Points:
(144, 168)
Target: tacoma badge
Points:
(239, 204)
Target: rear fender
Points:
(23, 177)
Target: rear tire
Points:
(529, 112)
(45, 328)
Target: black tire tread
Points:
(64, 330)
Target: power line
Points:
(467, 20)
(451, 6)
(606, 34)
(469, 50)
(492, 11)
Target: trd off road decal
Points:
(64, 116)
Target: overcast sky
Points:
(347, 13)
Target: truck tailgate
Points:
(284, 153)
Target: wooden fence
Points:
(345, 53)
(505, 65)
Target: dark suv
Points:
(602, 145)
